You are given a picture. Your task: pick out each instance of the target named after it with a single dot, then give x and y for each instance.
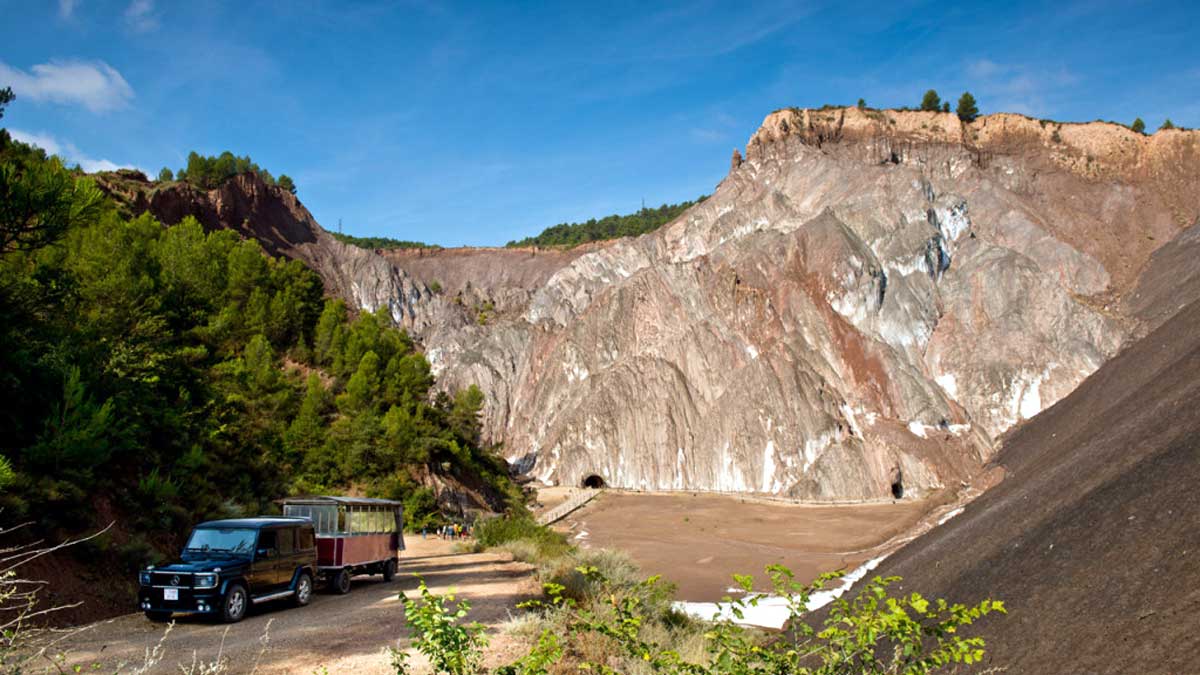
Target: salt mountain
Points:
(862, 308)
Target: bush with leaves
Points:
(1138, 126)
(874, 633)
(452, 646)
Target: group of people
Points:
(451, 531)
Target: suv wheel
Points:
(236, 602)
(389, 570)
(341, 581)
(304, 587)
(158, 617)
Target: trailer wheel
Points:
(341, 581)
(389, 570)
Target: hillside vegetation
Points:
(164, 375)
(608, 227)
(372, 243)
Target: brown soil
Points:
(346, 633)
(698, 541)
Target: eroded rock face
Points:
(868, 299)
(862, 308)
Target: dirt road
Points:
(343, 633)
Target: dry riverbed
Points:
(698, 541)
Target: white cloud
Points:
(66, 8)
(67, 151)
(140, 16)
(96, 85)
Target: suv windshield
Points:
(221, 540)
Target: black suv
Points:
(228, 565)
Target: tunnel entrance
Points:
(897, 484)
(593, 482)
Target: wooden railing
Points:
(576, 500)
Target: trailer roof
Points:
(348, 501)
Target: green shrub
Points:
(1138, 126)
(453, 647)
(875, 633)
(522, 550)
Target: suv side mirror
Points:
(265, 553)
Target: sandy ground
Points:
(550, 497)
(698, 541)
(345, 634)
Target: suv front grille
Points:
(175, 579)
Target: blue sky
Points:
(477, 123)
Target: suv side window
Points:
(287, 540)
(267, 540)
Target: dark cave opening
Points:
(593, 482)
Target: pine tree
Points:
(862, 104)
(1138, 126)
(967, 109)
(931, 102)
(1167, 124)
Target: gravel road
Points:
(343, 633)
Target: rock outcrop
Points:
(277, 219)
(862, 308)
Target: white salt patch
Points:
(916, 429)
(752, 352)
(772, 611)
(768, 471)
(950, 515)
(948, 384)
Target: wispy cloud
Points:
(69, 153)
(66, 8)
(140, 16)
(95, 85)
(1017, 87)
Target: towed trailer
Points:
(355, 535)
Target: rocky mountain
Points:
(863, 307)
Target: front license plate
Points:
(170, 594)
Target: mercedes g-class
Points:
(228, 565)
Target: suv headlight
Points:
(144, 577)
(206, 581)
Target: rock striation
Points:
(865, 305)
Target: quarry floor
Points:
(698, 541)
